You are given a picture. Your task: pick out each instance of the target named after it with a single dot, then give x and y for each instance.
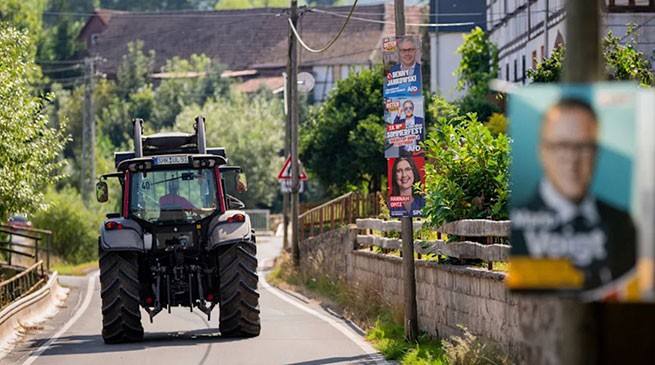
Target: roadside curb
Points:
(27, 313)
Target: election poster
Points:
(576, 214)
(402, 57)
(404, 117)
(404, 127)
(405, 200)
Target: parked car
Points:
(19, 221)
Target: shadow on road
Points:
(94, 344)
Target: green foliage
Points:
(478, 104)
(467, 173)
(24, 15)
(550, 69)
(157, 5)
(497, 124)
(30, 144)
(479, 63)
(388, 337)
(176, 93)
(622, 62)
(251, 128)
(469, 350)
(248, 4)
(342, 141)
(134, 71)
(75, 228)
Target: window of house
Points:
(507, 72)
(516, 70)
(543, 53)
(523, 69)
(94, 38)
(534, 59)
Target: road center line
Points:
(80, 312)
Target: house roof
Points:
(244, 39)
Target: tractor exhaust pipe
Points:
(138, 144)
(200, 134)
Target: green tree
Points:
(134, 70)
(158, 5)
(622, 61)
(251, 128)
(175, 93)
(29, 145)
(478, 66)
(479, 63)
(24, 15)
(249, 4)
(342, 142)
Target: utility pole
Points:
(286, 197)
(407, 234)
(88, 168)
(292, 86)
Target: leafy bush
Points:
(466, 173)
(497, 124)
(74, 227)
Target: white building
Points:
(526, 31)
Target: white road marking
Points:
(338, 325)
(80, 311)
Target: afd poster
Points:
(575, 210)
(404, 127)
(404, 117)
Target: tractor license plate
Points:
(171, 160)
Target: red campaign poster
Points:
(405, 197)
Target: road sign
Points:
(285, 173)
(285, 186)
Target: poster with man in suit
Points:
(574, 208)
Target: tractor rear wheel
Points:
(119, 283)
(239, 299)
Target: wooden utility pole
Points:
(292, 85)
(88, 165)
(407, 228)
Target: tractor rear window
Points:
(173, 196)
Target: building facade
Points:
(527, 31)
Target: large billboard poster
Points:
(404, 117)
(575, 207)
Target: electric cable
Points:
(295, 32)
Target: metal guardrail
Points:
(259, 219)
(338, 212)
(22, 284)
(37, 235)
(463, 249)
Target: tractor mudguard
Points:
(224, 231)
(121, 234)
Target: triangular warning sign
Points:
(285, 173)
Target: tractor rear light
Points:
(149, 300)
(240, 218)
(210, 298)
(111, 225)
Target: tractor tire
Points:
(239, 299)
(119, 284)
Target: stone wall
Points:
(448, 296)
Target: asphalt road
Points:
(293, 332)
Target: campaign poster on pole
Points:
(405, 127)
(577, 213)
(404, 116)
(404, 199)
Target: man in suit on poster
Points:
(563, 219)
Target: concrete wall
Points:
(448, 296)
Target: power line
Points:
(171, 14)
(61, 69)
(293, 28)
(391, 22)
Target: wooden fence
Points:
(338, 212)
(463, 249)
